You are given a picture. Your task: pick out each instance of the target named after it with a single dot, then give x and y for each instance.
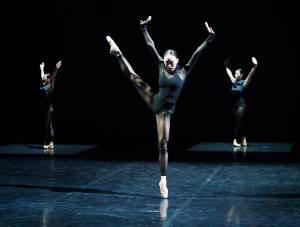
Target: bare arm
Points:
(229, 73)
(249, 77)
(42, 66)
(201, 48)
(148, 39)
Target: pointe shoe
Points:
(235, 143)
(244, 143)
(114, 49)
(163, 189)
(49, 146)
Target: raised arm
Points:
(53, 77)
(249, 77)
(42, 66)
(201, 48)
(148, 39)
(228, 71)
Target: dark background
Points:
(95, 103)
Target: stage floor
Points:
(36, 149)
(252, 147)
(54, 191)
(203, 148)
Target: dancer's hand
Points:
(209, 29)
(58, 64)
(143, 23)
(254, 61)
(42, 65)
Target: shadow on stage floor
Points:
(204, 151)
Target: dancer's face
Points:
(46, 77)
(238, 74)
(170, 61)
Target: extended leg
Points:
(142, 87)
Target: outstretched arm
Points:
(148, 39)
(229, 73)
(53, 77)
(249, 77)
(201, 48)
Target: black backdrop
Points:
(95, 103)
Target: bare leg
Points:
(163, 131)
(142, 87)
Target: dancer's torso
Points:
(170, 86)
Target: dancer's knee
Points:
(163, 146)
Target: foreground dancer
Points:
(47, 88)
(171, 81)
(239, 103)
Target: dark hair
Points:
(241, 71)
(171, 52)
